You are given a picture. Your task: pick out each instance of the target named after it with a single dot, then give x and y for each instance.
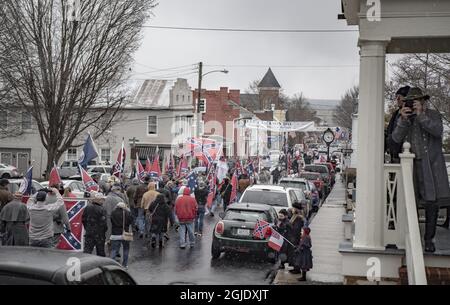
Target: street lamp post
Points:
(199, 93)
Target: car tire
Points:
(6, 176)
(215, 250)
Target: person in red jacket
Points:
(186, 211)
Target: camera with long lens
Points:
(410, 104)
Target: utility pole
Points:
(200, 68)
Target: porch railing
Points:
(401, 225)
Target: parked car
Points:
(8, 171)
(76, 186)
(304, 187)
(68, 168)
(234, 233)
(103, 171)
(315, 178)
(324, 173)
(275, 195)
(41, 266)
(14, 185)
(331, 171)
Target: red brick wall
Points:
(218, 109)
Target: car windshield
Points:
(294, 184)
(317, 169)
(245, 215)
(265, 197)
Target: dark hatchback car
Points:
(234, 233)
(40, 266)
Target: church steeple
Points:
(269, 80)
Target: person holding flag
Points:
(225, 192)
(284, 228)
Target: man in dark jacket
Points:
(13, 219)
(94, 222)
(131, 192)
(276, 173)
(201, 195)
(225, 192)
(5, 194)
(390, 145)
(423, 128)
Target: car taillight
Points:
(219, 227)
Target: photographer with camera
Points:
(422, 127)
(390, 146)
(41, 217)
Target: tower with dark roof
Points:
(269, 92)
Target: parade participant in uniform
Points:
(186, 211)
(121, 221)
(390, 145)
(41, 217)
(13, 219)
(94, 222)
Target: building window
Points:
(182, 98)
(26, 121)
(105, 154)
(72, 154)
(3, 119)
(189, 98)
(152, 125)
(177, 98)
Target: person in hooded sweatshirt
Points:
(13, 219)
(121, 221)
(186, 212)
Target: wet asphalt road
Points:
(172, 265)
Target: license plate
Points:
(243, 232)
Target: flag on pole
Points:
(148, 166)
(234, 187)
(89, 152)
(140, 172)
(89, 183)
(27, 183)
(54, 178)
(120, 163)
(182, 168)
(262, 229)
(222, 170)
(212, 190)
(155, 171)
(276, 241)
(171, 166)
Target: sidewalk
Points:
(327, 231)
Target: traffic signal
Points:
(201, 106)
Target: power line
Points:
(249, 30)
(285, 66)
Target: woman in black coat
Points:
(303, 257)
(297, 222)
(160, 211)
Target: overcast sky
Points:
(247, 55)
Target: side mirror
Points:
(222, 215)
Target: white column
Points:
(369, 191)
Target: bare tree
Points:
(66, 65)
(253, 87)
(430, 72)
(299, 109)
(347, 106)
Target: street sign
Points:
(346, 150)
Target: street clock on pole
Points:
(328, 138)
